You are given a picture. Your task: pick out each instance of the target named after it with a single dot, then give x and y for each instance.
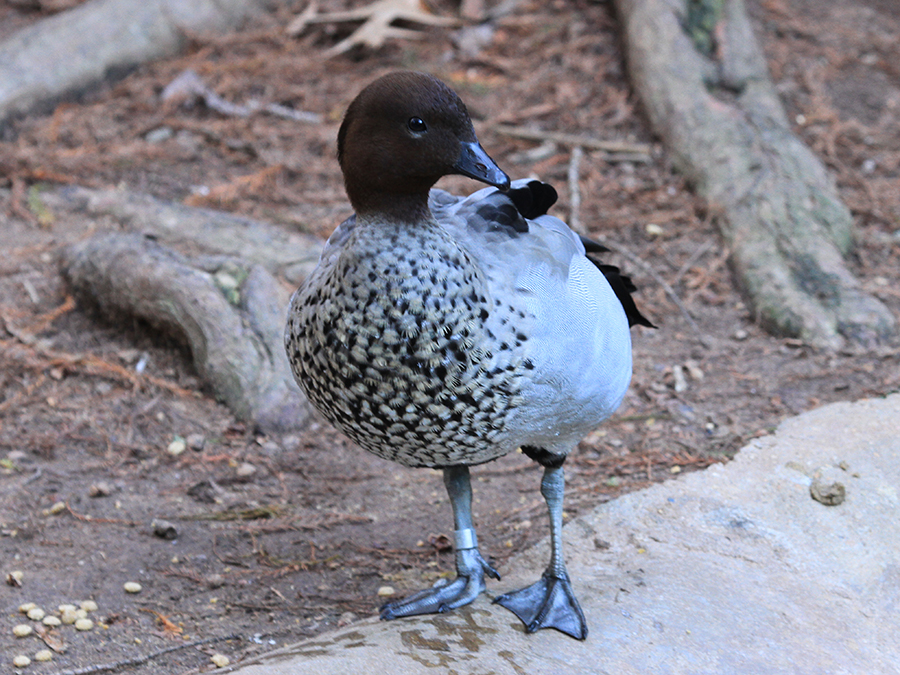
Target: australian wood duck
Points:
(443, 331)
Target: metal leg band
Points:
(464, 539)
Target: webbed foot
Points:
(471, 569)
(548, 603)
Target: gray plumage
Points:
(460, 340)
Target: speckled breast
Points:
(392, 341)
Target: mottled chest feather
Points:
(397, 341)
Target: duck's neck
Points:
(375, 197)
(408, 208)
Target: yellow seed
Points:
(89, 606)
(52, 621)
(26, 607)
(66, 607)
(22, 630)
(219, 660)
(57, 508)
(67, 616)
(36, 614)
(385, 591)
(44, 655)
(21, 661)
(132, 587)
(84, 624)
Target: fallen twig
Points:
(169, 628)
(617, 150)
(378, 18)
(189, 86)
(673, 296)
(92, 365)
(695, 256)
(229, 192)
(13, 400)
(87, 518)
(575, 190)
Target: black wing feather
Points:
(621, 284)
(533, 200)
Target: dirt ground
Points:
(281, 537)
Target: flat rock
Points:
(736, 569)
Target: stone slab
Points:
(732, 570)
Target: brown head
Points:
(400, 135)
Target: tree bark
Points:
(705, 86)
(70, 51)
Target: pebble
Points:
(177, 446)
(36, 614)
(215, 581)
(132, 587)
(219, 660)
(164, 529)
(159, 134)
(245, 470)
(44, 655)
(84, 624)
(694, 370)
(22, 630)
(680, 380)
(829, 493)
(21, 661)
(385, 591)
(741, 334)
(271, 448)
(226, 281)
(100, 489)
(196, 442)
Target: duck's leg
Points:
(550, 602)
(471, 568)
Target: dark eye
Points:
(416, 125)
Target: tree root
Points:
(185, 228)
(230, 313)
(704, 84)
(70, 51)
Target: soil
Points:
(281, 537)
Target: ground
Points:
(283, 536)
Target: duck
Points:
(446, 331)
